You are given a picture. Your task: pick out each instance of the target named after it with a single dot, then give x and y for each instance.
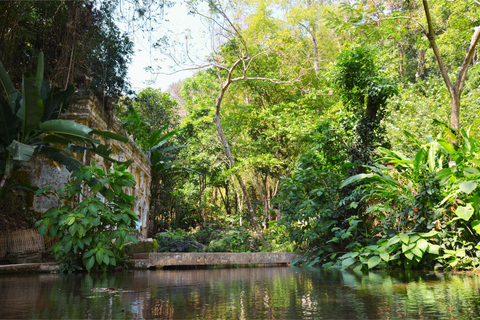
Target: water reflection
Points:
(257, 293)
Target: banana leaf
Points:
(72, 164)
(21, 151)
(110, 135)
(31, 107)
(54, 101)
(8, 87)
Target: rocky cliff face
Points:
(44, 172)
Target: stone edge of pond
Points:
(45, 267)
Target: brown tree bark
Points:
(455, 89)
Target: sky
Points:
(177, 20)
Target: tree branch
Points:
(462, 74)
(431, 37)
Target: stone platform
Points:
(29, 267)
(160, 260)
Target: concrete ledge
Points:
(161, 260)
(29, 267)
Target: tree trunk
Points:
(454, 89)
(420, 64)
(455, 114)
(266, 206)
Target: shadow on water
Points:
(244, 293)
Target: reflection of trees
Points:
(259, 293)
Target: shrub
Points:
(92, 234)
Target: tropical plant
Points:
(29, 125)
(92, 234)
(405, 250)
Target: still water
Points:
(253, 293)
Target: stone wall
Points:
(89, 112)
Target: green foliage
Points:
(404, 250)
(425, 197)
(308, 199)
(92, 233)
(150, 111)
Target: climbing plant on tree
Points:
(364, 92)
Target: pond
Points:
(242, 293)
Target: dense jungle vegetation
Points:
(344, 129)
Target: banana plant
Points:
(29, 125)
(160, 157)
(160, 160)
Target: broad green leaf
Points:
(404, 237)
(90, 263)
(471, 172)
(80, 244)
(99, 257)
(81, 230)
(8, 87)
(42, 230)
(70, 220)
(73, 229)
(70, 163)
(89, 253)
(433, 249)
(413, 238)
(67, 246)
(393, 241)
(417, 252)
(441, 174)
(373, 262)
(67, 128)
(467, 186)
(117, 189)
(21, 151)
(40, 68)
(106, 259)
(422, 244)
(447, 146)
(409, 255)
(54, 101)
(429, 234)
(465, 212)
(109, 194)
(31, 108)
(419, 157)
(152, 140)
(52, 138)
(385, 256)
(348, 262)
(93, 208)
(110, 135)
